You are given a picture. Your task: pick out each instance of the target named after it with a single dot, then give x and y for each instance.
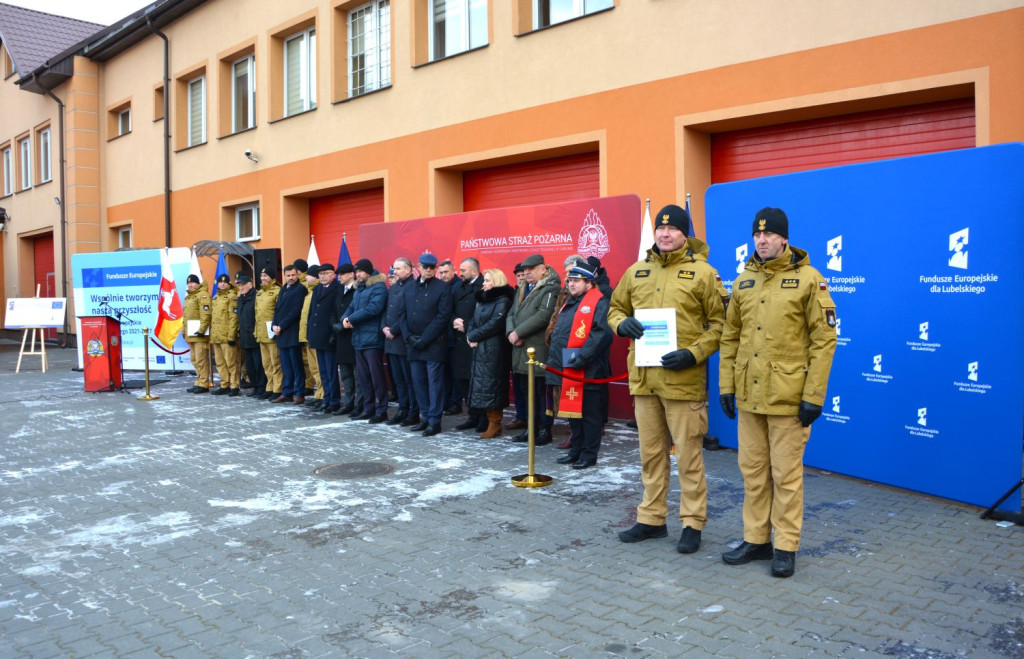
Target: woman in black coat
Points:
(492, 353)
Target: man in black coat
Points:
(287, 311)
(351, 401)
(461, 356)
(320, 335)
(428, 310)
(394, 345)
(246, 338)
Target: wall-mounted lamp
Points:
(56, 200)
(5, 219)
(249, 154)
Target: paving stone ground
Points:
(193, 526)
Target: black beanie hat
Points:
(366, 265)
(192, 279)
(301, 265)
(773, 220)
(673, 216)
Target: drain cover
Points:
(346, 470)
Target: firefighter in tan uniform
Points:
(266, 300)
(311, 280)
(671, 398)
(197, 308)
(224, 336)
(777, 350)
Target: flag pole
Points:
(145, 340)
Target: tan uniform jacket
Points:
(196, 307)
(681, 280)
(304, 316)
(266, 299)
(779, 335)
(225, 316)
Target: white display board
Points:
(30, 312)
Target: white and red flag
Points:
(169, 317)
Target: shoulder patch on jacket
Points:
(790, 283)
(746, 283)
(639, 274)
(685, 274)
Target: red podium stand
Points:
(101, 353)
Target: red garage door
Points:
(564, 178)
(842, 140)
(43, 271)
(331, 217)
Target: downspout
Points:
(63, 213)
(167, 131)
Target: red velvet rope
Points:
(161, 346)
(563, 374)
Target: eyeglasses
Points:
(428, 267)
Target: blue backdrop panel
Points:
(922, 257)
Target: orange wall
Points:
(637, 127)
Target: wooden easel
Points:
(37, 332)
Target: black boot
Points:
(472, 421)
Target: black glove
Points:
(809, 412)
(231, 343)
(574, 362)
(631, 328)
(419, 344)
(198, 333)
(728, 402)
(337, 327)
(678, 359)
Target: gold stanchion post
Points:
(145, 339)
(530, 479)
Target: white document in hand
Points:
(193, 326)
(270, 330)
(659, 335)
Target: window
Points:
(197, 111)
(457, 26)
(8, 172)
(124, 121)
(247, 223)
(124, 237)
(550, 12)
(45, 170)
(158, 103)
(243, 94)
(300, 72)
(369, 47)
(25, 162)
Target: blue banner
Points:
(921, 253)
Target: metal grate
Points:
(348, 470)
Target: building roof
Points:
(32, 37)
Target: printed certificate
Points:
(659, 335)
(193, 327)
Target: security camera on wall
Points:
(248, 154)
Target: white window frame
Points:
(579, 8)
(45, 156)
(124, 121)
(250, 93)
(375, 20)
(25, 164)
(470, 23)
(255, 209)
(8, 164)
(122, 234)
(201, 82)
(306, 72)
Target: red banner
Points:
(607, 227)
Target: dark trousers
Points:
(586, 432)
(254, 369)
(293, 373)
(402, 374)
(519, 385)
(348, 386)
(428, 381)
(327, 362)
(540, 417)
(370, 370)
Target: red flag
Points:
(169, 313)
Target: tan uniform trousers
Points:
(227, 364)
(199, 353)
(271, 359)
(312, 372)
(771, 459)
(662, 422)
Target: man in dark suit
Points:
(246, 335)
(463, 306)
(287, 311)
(395, 348)
(428, 309)
(351, 401)
(320, 334)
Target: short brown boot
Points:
(493, 425)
